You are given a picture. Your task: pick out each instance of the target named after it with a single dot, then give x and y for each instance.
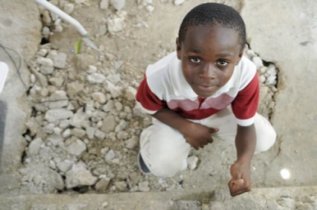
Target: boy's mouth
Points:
(206, 87)
(209, 89)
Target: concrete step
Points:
(281, 198)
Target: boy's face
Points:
(208, 55)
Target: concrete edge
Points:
(146, 198)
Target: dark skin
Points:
(208, 55)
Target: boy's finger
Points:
(237, 187)
(238, 192)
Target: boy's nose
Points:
(208, 71)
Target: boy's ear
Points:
(178, 48)
(240, 56)
(242, 51)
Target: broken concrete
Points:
(288, 37)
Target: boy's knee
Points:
(164, 150)
(165, 160)
(167, 166)
(266, 140)
(265, 134)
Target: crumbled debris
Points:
(84, 129)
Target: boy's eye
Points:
(222, 63)
(194, 60)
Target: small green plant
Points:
(78, 45)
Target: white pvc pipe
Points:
(64, 16)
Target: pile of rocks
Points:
(82, 132)
(269, 81)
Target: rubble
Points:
(104, 4)
(116, 22)
(192, 162)
(178, 2)
(117, 4)
(85, 125)
(78, 176)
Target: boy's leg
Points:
(265, 134)
(164, 150)
(226, 122)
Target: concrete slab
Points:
(17, 24)
(285, 32)
(260, 199)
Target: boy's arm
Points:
(240, 169)
(244, 108)
(195, 134)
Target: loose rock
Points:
(75, 146)
(179, 2)
(104, 4)
(54, 115)
(46, 65)
(109, 124)
(117, 4)
(59, 60)
(102, 185)
(96, 78)
(35, 146)
(192, 162)
(78, 175)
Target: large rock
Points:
(39, 178)
(54, 115)
(75, 146)
(78, 176)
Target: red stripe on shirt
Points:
(196, 114)
(151, 102)
(147, 98)
(245, 105)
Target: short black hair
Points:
(213, 13)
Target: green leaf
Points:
(77, 46)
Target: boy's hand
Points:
(195, 134)
(198, 135)
(240, 181)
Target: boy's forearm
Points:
(172, 119)
(245, 143)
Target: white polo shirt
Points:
(165, 86)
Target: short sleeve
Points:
(147, 100)
(245, 104)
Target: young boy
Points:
(207, 88)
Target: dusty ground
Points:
(81, 130)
